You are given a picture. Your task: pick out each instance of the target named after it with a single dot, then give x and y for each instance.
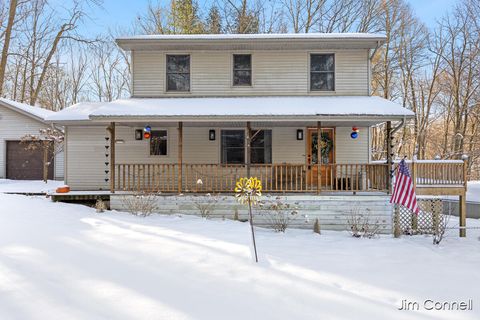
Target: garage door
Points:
(25, 164)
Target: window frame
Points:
(232, 70)
(271, 147)
(222, 130)
(167, 89)
(150, 143)
(310, 89)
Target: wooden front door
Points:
(327, 155)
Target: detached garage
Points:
(17, 163)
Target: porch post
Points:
(248, 136)
(462, 203)
(389, 156)
(180, 156)
(111, 129)
(319, 156)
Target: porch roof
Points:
(233, 109)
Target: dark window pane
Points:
(178, 73)
(178, 82)
(179, 64)
(241, 77)
(242, 62)
(233, 146)
(158, 143)
(261, 147)
(321, 62)
(322, 81)
(242, 70)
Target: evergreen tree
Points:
(185, 18)
(214, 21)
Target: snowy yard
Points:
(64, 261)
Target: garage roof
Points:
(37, 113)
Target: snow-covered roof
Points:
(78, 112)
(262, 36)
(38, 113)
(234, 108)
(272, 41)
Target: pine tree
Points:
(214, 21)
(184, 18)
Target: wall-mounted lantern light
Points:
(211, 134)
(138, 134)
(300, 134)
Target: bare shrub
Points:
(142, 204)
(360, 224)
(440, 226)
(279, 214)
(206, 205)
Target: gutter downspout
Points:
(369, 74)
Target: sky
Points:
(115, 14)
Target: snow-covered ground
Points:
(28, 186)
(64, 261)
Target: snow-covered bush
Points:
(279, 214)
(142, 205)
(360, 224)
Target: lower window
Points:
(261, 147)
(158, 143)
(233, 146)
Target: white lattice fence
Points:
(426, 222)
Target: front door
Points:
(327, 152)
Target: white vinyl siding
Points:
(273, 73)
(350, 150)
(13, 126)
(86, 150)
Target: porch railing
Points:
(441, 173)
(274, 177)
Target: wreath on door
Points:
(326, 145)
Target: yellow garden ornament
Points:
(248, 191)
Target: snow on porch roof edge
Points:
(272, 108)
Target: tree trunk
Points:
(6, 43)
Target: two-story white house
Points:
(208, 109)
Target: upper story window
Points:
(178, 72)
(242, 69)
(158, 143)
(322, 72)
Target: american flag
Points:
(403, 191)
